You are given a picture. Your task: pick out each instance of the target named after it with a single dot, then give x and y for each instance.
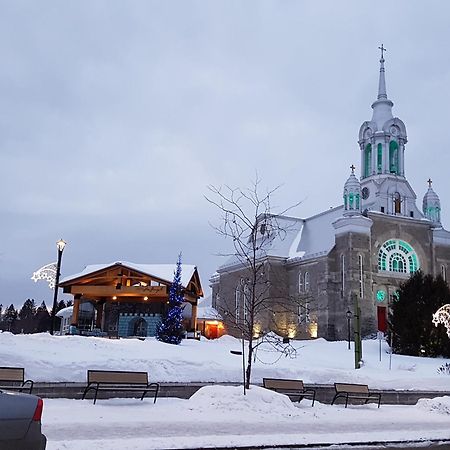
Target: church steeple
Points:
(382, 81)
(432, 206)
(382, 140)
(382, 107)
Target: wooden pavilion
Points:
(126, 299)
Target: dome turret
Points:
(432, 205)
(352, 194)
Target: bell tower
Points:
(382, 141)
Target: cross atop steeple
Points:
(353, 168)
(382, 51)
(429, 182)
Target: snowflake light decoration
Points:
(442, 315)
(47, 273)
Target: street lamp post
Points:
(60, 246)
(349, 315)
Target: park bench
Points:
(15, 377)
(292, 388)
(355, 391)
(115, 380)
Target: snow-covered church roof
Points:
(297, 238)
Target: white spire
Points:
(382, 107)
(382, 81)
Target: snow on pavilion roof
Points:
(162, 271)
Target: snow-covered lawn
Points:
(66, 358)
(219, 415)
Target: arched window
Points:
(397, 256)
(444, 272)
(300, 282)
(350, 200)
(393, 157)
(306, 281)
(357, 201)
(246, 301)
(237, 302)
(361, 276)
(380, 158)
(397, 203)
(345, 200)
(368, 160)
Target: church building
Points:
(358, 252)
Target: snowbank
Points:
(66, 359)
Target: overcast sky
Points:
(115, 116)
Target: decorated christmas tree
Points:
(170, 330)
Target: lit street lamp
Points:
(349, 315)
(60, 246)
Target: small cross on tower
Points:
(429, 182)
(382, 51)
(353, 168)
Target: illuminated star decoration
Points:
(442, 315)
(47, 273)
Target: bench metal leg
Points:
(346, 400)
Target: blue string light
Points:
(170, 330)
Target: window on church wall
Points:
(304, 314)
(356, 201)
(350, 200)
(397, 256)
(361, 276)
(397, 206)
(300, 282)
(368, 160)
(444, 272)
(237, 303)
(393, 157)
(342, 275)
(345, 201)
(246, 301)
(306, 280)
(380, 158)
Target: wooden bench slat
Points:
(117, 377)
(119, 380)
(354, 388)
(355, 391)
(291, 388)
(12, 374)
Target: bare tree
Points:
(247, 219)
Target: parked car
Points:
(20, 422)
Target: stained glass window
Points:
(397, 256)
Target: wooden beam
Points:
(125, 291)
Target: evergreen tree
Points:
(170, 330)
(411, 317)
(28, 310)
(26, 322)
(10, 317)
(43, 319)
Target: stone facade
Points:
(359, 252)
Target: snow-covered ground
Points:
(222, 416)
(66, 358)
